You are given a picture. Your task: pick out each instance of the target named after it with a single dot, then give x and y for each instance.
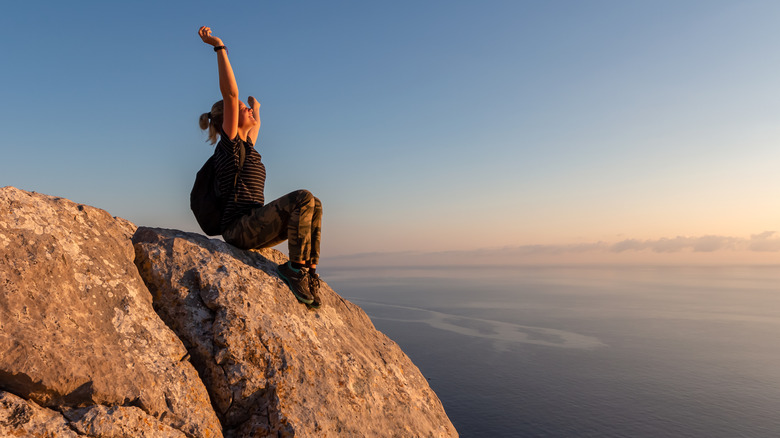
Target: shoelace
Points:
(314, 280)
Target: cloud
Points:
(681, 243)
(764, 242)
(546, 249)
(757, 248)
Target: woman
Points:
(247, 221)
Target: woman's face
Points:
(246, 117)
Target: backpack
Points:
(206, 202)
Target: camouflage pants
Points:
(295, 217)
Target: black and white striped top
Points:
(251, 180)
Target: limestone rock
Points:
(22, 418)
(119, 422)
(84, 354)
(77, 327)
(272, 366)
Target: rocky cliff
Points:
(108, 330)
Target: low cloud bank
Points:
(758, 248)
(763, 242)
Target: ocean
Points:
(587, 351)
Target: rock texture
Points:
(272, 366)
(22, 418)
(77, 327)
(206, 341)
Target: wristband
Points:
(218, 48)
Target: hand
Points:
(255, 105)
(205, 34)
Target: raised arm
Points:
(227, 84)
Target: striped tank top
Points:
(251, 180)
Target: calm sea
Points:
(587, 352)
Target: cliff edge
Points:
(109, 330)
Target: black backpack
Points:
(206, 202)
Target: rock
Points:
(22, 418)
(272, 366)
(77, 326)
(85, 350)
(119, 421)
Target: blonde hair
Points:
(212, 121)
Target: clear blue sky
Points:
(422, 125)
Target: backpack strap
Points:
(241, 158)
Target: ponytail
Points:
(212, 121)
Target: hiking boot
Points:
(314, 290)
(298, 282)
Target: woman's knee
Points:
(303, 196)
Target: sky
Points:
(431, 127)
